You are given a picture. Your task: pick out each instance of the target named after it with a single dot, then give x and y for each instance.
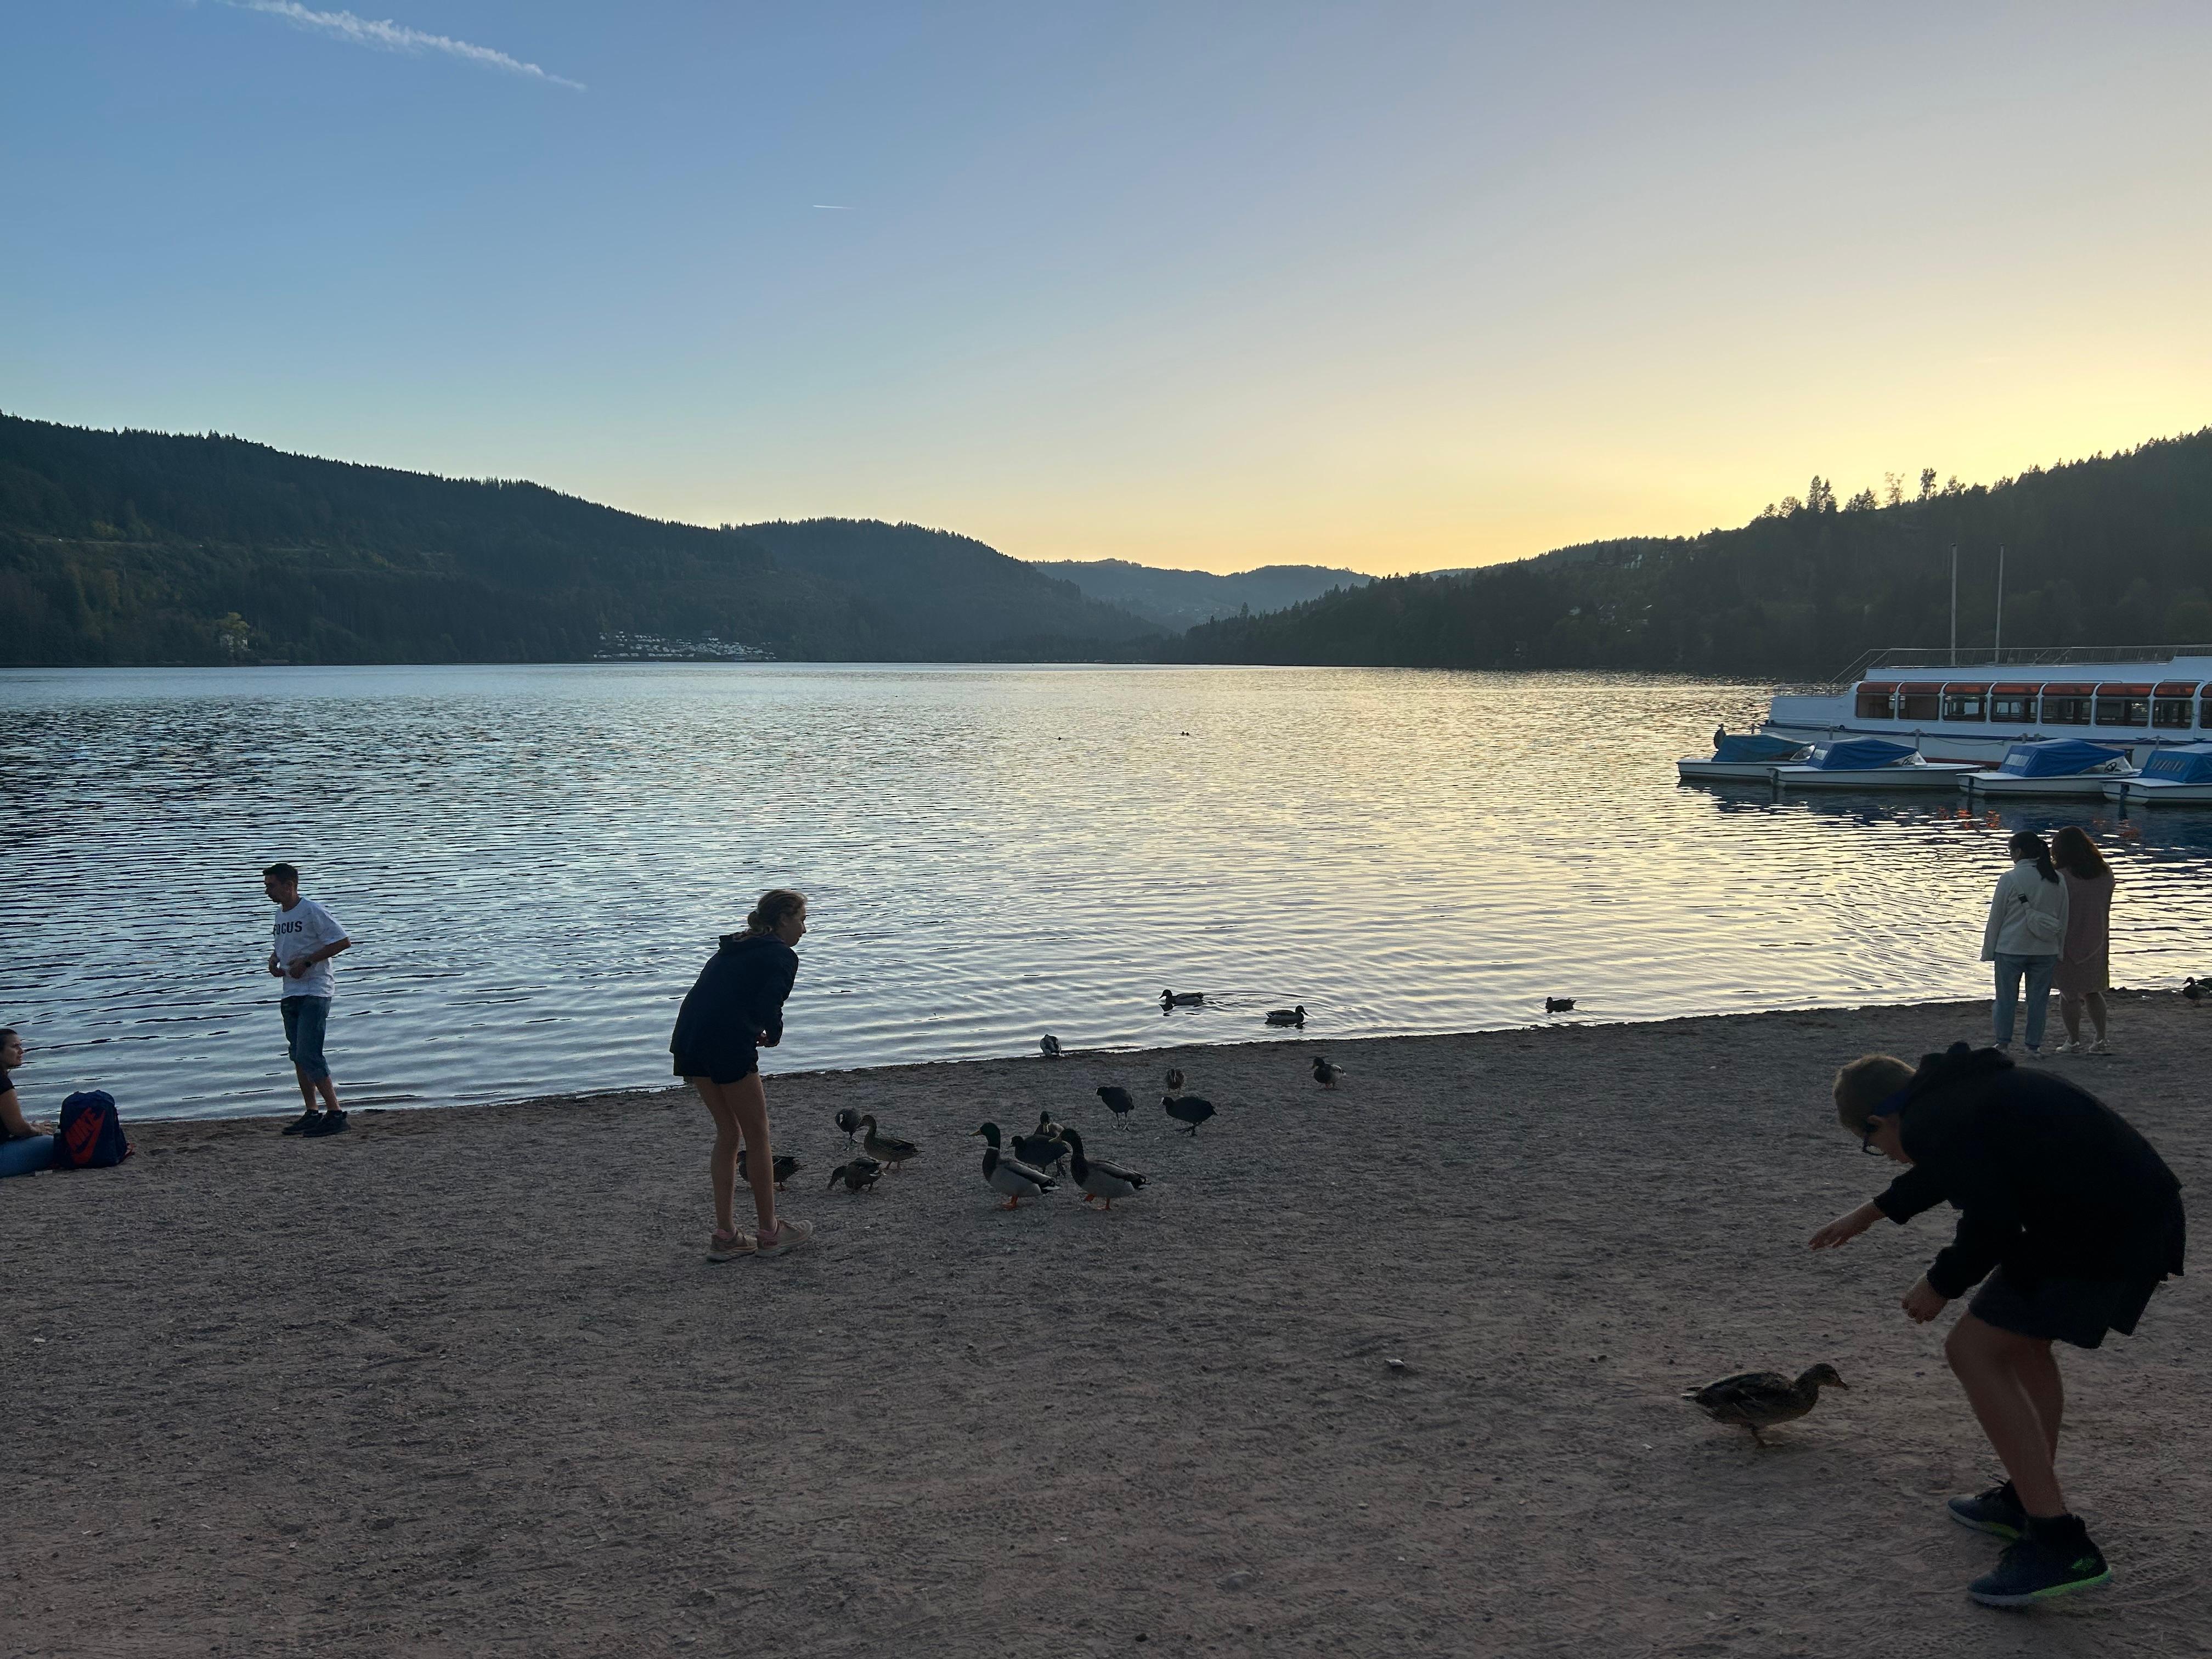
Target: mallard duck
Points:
(2194, 989)
(1759, 1399)
(1175, 1079)
(1098, 1178)
(1048, 1046)
(1183, 998)
(1326, 1074)
(1010, 1175)
(1045, 1148)
(1287, 1016)
(785, 1165)
(890, 1148)
(860, 1175)
(1558, 1005)
(1187, 1109)
(1117, 1100)
(849, 1122)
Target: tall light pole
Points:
(1955, 602)
(1997, 650)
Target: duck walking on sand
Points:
(1098, 1178)
(1189, 1110)
(890, 1149)
(860, 1175)
(1045, 1148)
(783, 1163)
(1010, 1175)
(1759, 1399)
(2195, 989)
(1326, 1073)
(1175, 1079)
(1048, 1046)
(1117, 1100)
(1288, 1016)
(849, 1122)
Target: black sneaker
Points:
(1996, 1512)
(331, 1123)
(2053, 1557)
(304, 1124)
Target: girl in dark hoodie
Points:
(732, 1010)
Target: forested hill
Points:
(1178, 599)
(2112, 551)
(139, 547)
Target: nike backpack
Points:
(90, 1134)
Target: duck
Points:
(1048, 1046)
(1759, 1399)
(1175, 1079)
(860, 1175)
(2195, 989)
(849, 1122)
(1010, 1175)
(784, 1165)
(1720, 734)
(1325, 1073)
(1183, 998)
(1190, 1110)
(1045, 1148)
(1287, 1016)
(889, 1148)
(1558, 1005)
(1117, 1099)
(1098, 1178)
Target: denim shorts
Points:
(305, 1021)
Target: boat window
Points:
(1965, 702)
(1874, 701)
(2204, 719)
(2123, 705)
(2014, 702)
(2067, 705)
(1919, 702)
(2173, 705)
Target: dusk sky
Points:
(1394, 287)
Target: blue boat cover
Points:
(1860, 755)
(2057, 757)
(1752, 747)
(2190, 764)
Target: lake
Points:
(534, 861)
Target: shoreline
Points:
(460, 1381)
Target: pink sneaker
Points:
(788, 1235)
(720, 1248)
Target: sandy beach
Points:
(462, 1382)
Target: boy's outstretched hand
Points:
(1846, 1227)
(1923, 1302)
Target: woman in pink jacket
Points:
(2084, 971)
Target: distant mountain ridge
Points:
(1177, 600)
(141, 547)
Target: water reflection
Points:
(534, 860)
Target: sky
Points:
(1392, 287)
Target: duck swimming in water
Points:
(1759, 1399)
(1010, 1175)
(1288, 1016)
(1098, 1178)
(1183, 998)
(889, 1148)
(1558, 1005)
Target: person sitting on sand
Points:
(733, 1011)
(26, 1147)
(2080, 1219)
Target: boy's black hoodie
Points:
(2049, 1182)
(737, 1002)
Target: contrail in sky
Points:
(833, 207)
(388, 36)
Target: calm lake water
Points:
(533, 863)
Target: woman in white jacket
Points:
(2026, 928)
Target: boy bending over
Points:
(2079, 1220)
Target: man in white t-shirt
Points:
(305, 938)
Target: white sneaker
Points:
(728, 1249)
(789, 1235)
(2068, 1049)
(2100, 1047)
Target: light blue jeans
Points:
(27, 1156)
(2038, 969)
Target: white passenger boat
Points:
(2178, 776)
(1744, 757)
(1870, 763)
(2062, 766)
(1951, 710)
